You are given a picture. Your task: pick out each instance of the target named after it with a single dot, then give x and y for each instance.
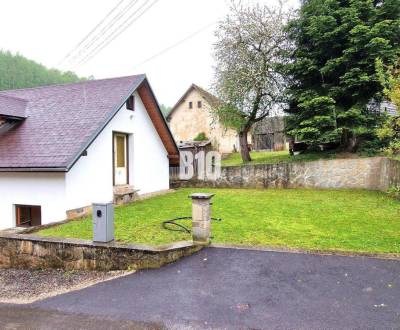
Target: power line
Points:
(91, 32)
(175, 44)
(105, 28)
(117, 32)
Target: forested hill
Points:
(17, 71)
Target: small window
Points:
(27, 215)
(199, 105)
(130, 103)
(190, 105)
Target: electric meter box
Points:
(103, 222)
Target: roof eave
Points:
(33, 169)
(161, 114)
(12, 117)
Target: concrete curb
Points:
(384, 256)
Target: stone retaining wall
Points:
(377, 173)
(26, 251)
(391, 173)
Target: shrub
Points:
(201, 137)
(394, 192)
(390, 134)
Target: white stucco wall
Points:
(44, 189)
(90, 179)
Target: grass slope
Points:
(310, 219)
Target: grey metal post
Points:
(201, 218)
(103, 222)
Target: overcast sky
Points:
(47, 30)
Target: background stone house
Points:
(192, 115)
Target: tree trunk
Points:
(349, 142)
(244, 146)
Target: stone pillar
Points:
(201, 218)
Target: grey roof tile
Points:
(60, 120)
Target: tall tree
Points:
(17, 71)
(249, 54)
(333, 67)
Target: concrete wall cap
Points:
(201, 196)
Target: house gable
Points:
(187, 122)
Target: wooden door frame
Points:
(114, 133)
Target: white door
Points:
(120, 159)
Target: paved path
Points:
(228, 288)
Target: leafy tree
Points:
(17, 71)
(333, 72)
(249, 53)
(389, 76)
(389, 133)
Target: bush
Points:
(201, 137)
(394, 192)
(390, 135)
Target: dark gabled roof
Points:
(13, 107)
(211, 99)
(63, 120)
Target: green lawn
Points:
(274, 157)
(309, 219)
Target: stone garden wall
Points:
(25, 251)
(391, 173)
(377, 173)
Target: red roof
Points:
(61, 121)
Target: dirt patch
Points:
(21, 286)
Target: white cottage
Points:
(63, 147)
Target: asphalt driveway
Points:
(229, 288)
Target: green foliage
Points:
(165, 110)
(389, 76)
(394, 192)
(333, 67)
(347, 220)
(17, 71)
(249, 54)
(389, 134)
(201, 137)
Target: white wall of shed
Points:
(46, 190)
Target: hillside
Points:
(17, 71)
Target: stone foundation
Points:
(124, 194)
(25, 251)
(377, 173)
(79, 212)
